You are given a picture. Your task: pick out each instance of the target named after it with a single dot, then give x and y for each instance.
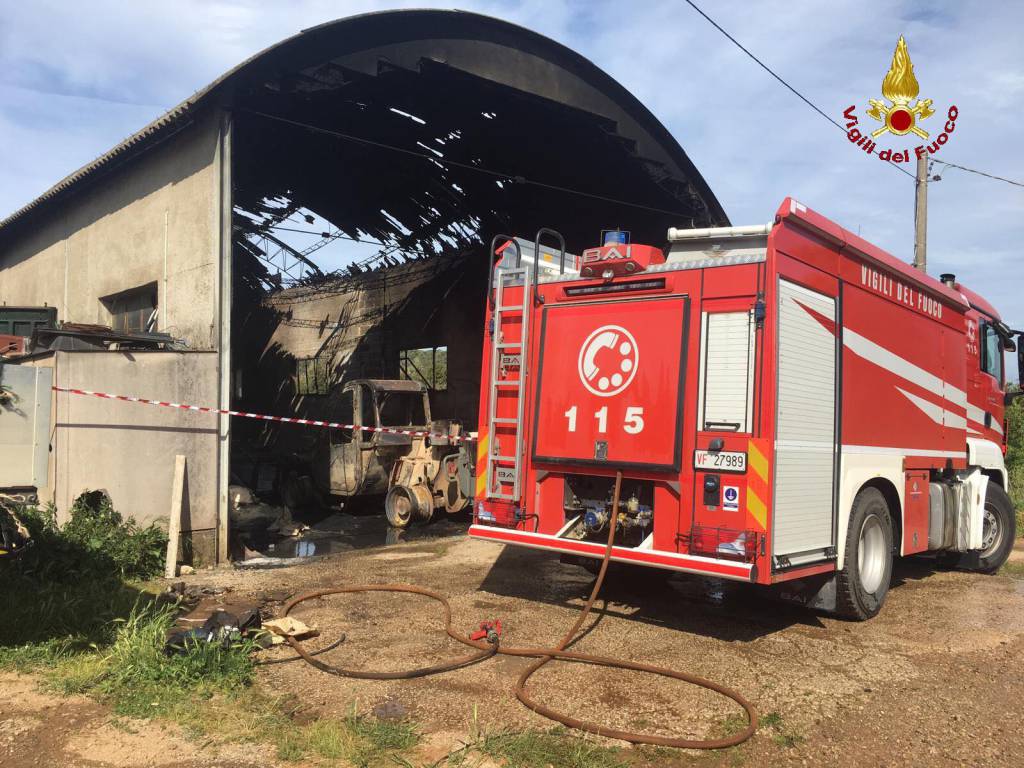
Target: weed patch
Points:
(62, 593)
(781, 734)
(732, 724)
(208, 690)
(539, 749)
(96, 542)
(136, 677)
(361, 741)
(1013, 568)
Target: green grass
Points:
(774, 724)
(538, 749)
(1013, 568)
(208, 690)
(77, 615)
(62, 593)
(133, 673)
(361, 741)
(732, 724)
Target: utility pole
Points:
(921, 214)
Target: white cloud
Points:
(118, 65)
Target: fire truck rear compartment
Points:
(588, 508)
(718, 533)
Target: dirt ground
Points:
(935, 680)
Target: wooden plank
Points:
(174, 524)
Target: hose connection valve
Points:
(489, 631)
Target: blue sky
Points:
(77, 77)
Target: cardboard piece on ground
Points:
(289, 627)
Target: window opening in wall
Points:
(312, 376)
(134, 310)
(428, 365)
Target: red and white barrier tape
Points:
(263, 416)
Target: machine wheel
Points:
(398, 507)
(863, 583)
(999, 528)
(403, 504)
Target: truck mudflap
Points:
(706, 566)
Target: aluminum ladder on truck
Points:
(502, 468)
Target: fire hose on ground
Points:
(491, 646)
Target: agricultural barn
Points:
(410, 138)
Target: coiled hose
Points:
(485, 650)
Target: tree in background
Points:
(1015, 458)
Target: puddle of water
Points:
(342, 532)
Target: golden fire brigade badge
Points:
(900, 88)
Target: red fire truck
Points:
(789, 406)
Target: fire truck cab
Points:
(789, 406)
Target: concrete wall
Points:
(128, 449)
(154, 220)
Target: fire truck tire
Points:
(863, 583)
(999, 528)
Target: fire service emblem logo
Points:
(900, 88)
(899, 111)
(608, 360)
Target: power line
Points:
(980, 173)
(771, 72)
(815, 107)
(504, 176)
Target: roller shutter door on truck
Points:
(805, 446)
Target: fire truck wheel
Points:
(863, 583)
(998, 530)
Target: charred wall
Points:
(359, 325)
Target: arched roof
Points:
(333, 54)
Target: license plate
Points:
(720, 461)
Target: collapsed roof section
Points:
(429, 131)
(426, 131)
